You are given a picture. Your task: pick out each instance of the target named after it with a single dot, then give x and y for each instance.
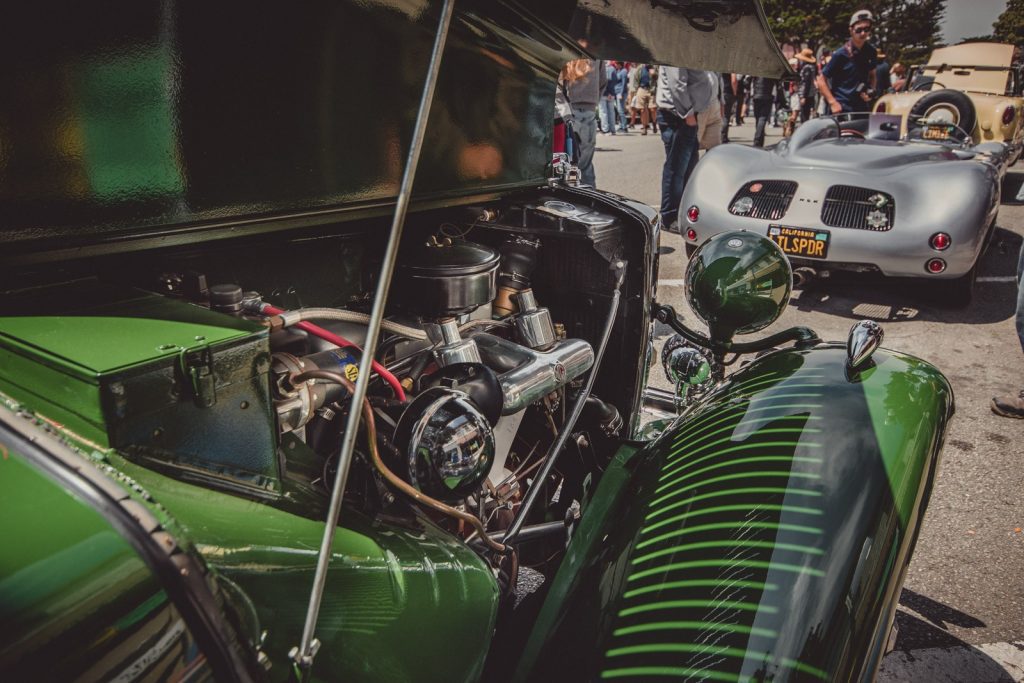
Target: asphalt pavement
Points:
(961, 615)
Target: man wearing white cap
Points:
(848, 81)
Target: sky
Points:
(965, 18)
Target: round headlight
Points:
(742, 206)
(738, 282)
(447, 444)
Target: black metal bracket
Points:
(804, 337)
(197, 368)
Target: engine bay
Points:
(233, 367)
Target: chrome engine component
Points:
(447, 444)
(480, 422)
(528, 375)
(533, 325)
(452, 347)
(297, 404)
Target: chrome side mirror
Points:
(687, 367)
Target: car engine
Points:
(238, 364)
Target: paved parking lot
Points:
(962, 610)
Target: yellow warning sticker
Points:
(351, 372)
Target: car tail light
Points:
(1008, 115)
(940, 241)
(691, 235)
(692, 214)
(881, 108)
(936, 265)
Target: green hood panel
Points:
(765, 534)
(397, 591)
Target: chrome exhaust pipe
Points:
(527, 375)
(804, 276)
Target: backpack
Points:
(645, 78)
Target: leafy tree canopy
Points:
(1009, 27)
(978, 39)
(906, 30)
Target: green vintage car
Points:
(315, 366)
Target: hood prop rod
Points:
(304, 654)
(619, 269)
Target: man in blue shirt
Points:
(681, 94)
(848, 81)
(621, 91)
(607, 109)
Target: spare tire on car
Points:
(951, 100)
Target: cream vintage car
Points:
(973, 85)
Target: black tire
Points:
(966, 116)
(956, 293)
(690, 248)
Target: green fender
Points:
(763, 536)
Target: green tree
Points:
(909, 30)
(906, 30)
(1009, 27)
(977, 39)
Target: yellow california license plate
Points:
(936, 133)
(800, 241)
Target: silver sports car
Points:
(848, 193)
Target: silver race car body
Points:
(839, 195)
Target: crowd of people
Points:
(692, 110)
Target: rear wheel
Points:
(956, 293)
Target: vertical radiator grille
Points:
(846, 206)
(765, 199)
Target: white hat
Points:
(862, 15)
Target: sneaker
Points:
(1009, 406)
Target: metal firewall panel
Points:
(768, 533)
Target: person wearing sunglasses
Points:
(848, 81)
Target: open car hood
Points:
(163, 123)
(702, 34)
